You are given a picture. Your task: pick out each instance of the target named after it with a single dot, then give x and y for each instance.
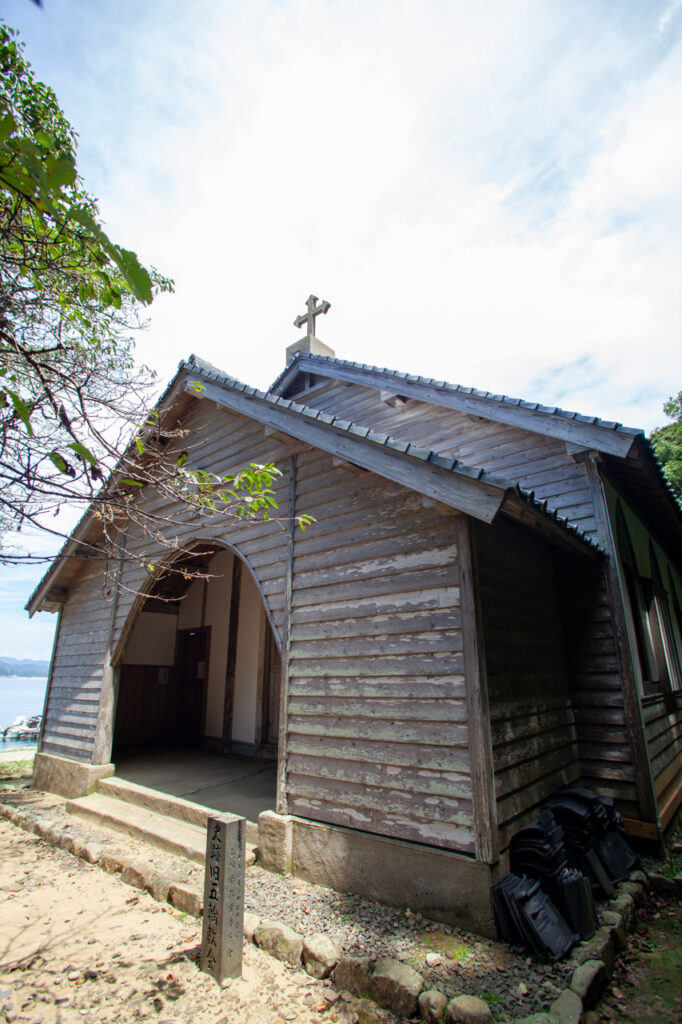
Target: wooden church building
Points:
(488, 605)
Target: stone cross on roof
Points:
(313, 311)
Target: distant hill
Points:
(23, 667)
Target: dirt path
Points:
(77, 944)
(647, 984)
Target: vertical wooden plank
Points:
(106, 714)
(264, 671)
(231, 669)
(286, 646)
(480, 740)
(625, 645)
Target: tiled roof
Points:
(393, 377)
(426, 455)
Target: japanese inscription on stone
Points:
(221, 943)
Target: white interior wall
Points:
(249, 662)
(218, 618)
(152, 641)
(153, 638)
(189, 613)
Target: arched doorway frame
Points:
(145, 592)
(137, 606)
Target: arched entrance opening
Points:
(197, 707)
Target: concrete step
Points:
(171, 834)
(166, 804)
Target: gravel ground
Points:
(451, 960)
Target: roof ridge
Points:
(442, 385)
(362, 432)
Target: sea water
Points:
(20, 695)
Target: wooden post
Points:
(106, 712)
(281, 803)
(232, 636)
(223, 925)
(480, 740)
(625, 644)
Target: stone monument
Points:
(222, 934)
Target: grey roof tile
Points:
(535, 406)
(419, 453)
(403, 447)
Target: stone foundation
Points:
(439, 884)
(68, 778)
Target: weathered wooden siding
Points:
(597, 689)
(539, 463)
(80, 652)
(663, 724)
(221, 442)
(377, 735)
(535, 742)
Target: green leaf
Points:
(63, 173)
(58, 461)
(84, 452)
(22, 410)
(7, 126)
(22, 184)
(83, 217)
(135, 274)
(129, 482)
(182, 459)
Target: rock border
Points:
(392, 984)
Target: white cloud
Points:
(487, 192)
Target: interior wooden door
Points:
(190, 673)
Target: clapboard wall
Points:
(534, 735)
(597, 687)
(79, 658)
(663, 724)
(539, 463)
(221, 442)
(376, 729)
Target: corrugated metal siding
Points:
(377, 733)
(73, 697)
(538, 463)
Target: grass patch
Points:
(446, 945)
(21, 768)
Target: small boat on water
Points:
(23, 728)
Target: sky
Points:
(487, 193)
